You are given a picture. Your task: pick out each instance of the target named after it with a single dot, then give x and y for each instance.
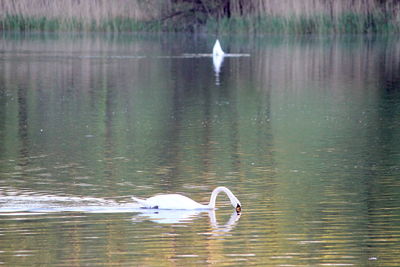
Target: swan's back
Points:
(217, 50)
(170, 201)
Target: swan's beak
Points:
(238, 208)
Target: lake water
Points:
(304, 130)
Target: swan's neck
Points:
(234, 201)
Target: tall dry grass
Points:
(302, 7)
(228, 15)
(311, 16)
(81, 14)
(85, 10)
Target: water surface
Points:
(304, 130)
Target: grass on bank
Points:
(315, 24)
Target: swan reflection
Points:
(182, 216)
(217, 61)
(169, 216)
(228, 226)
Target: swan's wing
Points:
(217, 50)
(170, 202)
(173, 202)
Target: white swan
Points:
(179, 202)
(217, 50)
(218, 58)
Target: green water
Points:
(305, 131)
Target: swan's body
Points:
(179, 202)
(217, 50)
(170, 202)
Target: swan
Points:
(217, 50)
(180, 202)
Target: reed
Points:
(118, 24)
(257, 16)
(60, 15)
(310, 16)
(317, 24)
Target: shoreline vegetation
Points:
(210, 16)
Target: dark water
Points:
(305, 131)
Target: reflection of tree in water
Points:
(3, 116)
(389, 88)
(109, 128)
(383, 161)
(191, 119)
(23, 125)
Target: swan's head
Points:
(234, 200)
(236, 203)
(238, 208)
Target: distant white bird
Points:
(218, 58)
(179, 202)
(217, 50)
